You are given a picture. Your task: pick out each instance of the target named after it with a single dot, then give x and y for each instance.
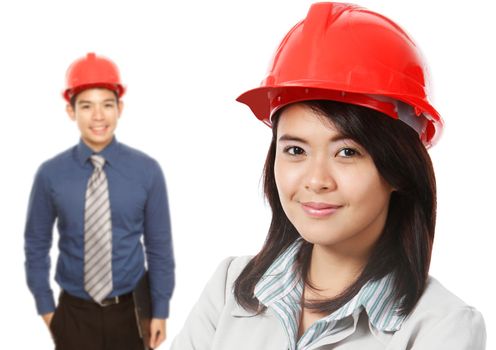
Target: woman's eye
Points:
(347, 152)
(294, 150)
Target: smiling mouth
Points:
(99, 129)
(319, 210)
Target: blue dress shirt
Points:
(139, 208)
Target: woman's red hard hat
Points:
(346, 53)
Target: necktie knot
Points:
(98, 161)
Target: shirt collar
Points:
(376, 297)
(110, 152)
(281, 277)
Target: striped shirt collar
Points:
(281, 288)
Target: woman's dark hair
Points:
(404, 247)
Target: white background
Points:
(184, 63)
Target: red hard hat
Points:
(92, 71)
(346, 53)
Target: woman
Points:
(352, 191)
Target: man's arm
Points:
(159, 252)
(38, 241)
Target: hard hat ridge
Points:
(92, 71)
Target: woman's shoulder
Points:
(438, 300)
(440, 317)
(237, 264)
(231, 267)
(228, 270)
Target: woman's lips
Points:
(318, 209)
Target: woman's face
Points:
(329, 186)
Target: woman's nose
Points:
(319, 177)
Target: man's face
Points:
(96, 112)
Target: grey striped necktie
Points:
(97, 234)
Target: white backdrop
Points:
(184, 62)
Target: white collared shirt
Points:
(281, 289)
(439, 321)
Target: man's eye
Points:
(294, 150)
(347, 152)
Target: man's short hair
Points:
(72, 100)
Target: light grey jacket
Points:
(439, 321)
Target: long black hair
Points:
(405, 245)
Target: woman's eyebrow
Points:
(287, 137)
(335, 138)
(340, 137)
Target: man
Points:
(105, 197)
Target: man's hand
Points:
(47, 318)
(157, 332)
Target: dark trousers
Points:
(82, 325)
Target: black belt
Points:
(105, 302)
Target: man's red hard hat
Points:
(92, 71)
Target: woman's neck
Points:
(331, 273)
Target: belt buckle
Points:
(110, 301)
